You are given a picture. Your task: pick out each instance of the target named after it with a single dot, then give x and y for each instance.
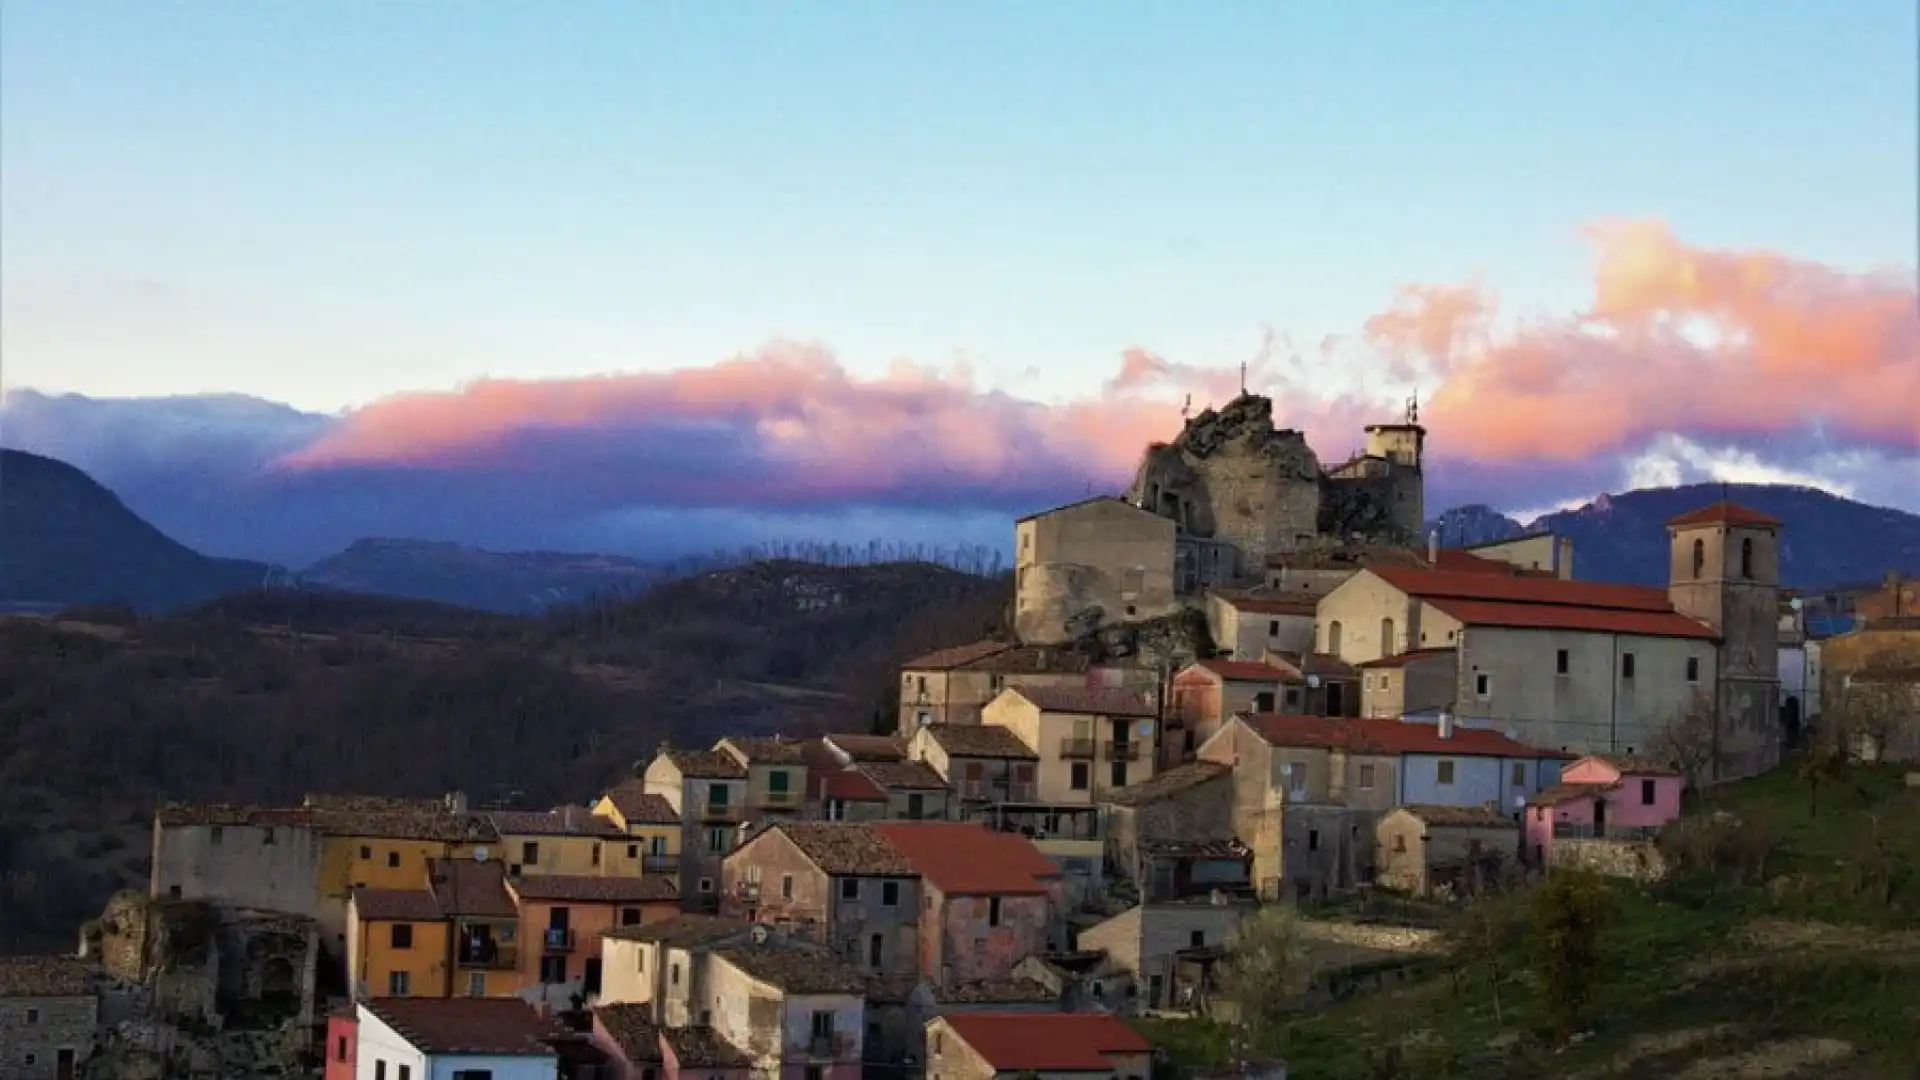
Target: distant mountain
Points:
(64, 539)
(1825, 539)
(523, 582)
(1475, 523)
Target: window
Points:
(717, 795)
(777, 781)
(1483, 685)
(1647, 793)
(836, 810)
(215, 834)
(1296, 777)
(633, 851)
(476, 984)
(1746, 559)
(1197, 939)
(706, 884)
(1626, 665)
(478, 1074)
(406, 1071)
(1519, 774)
(673, 975)
(1386, 637)
(1263, 701)
(1273, 627)
(889, 894)
(1693, 669)
(1333, 638)
(403, 935)
(596, 854)
(397, 984)
(529, 854)
(1313, 839)
(993, 911)
(916, 806)
(821, 1026)
(1562, 663)
(1443, 772)
(786, 886)
(997, 683)
(393, 860)
(173, 891)
(1082, 776)
(366, 851)
(266, 837)
(1366, 778)
(1699, 558)
(33, 1016)
(1400, 842)
(340, 1049)
(719, 839)
(876, 950)
(850, 888)
(629, 916)
(379, 1070)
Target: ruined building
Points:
(1226, 499)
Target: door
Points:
(591, 981)
(1599, 818)
(63, 1064)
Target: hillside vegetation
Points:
(266, 694)
(1794, 953)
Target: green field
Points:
(1810, 970)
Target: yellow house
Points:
(567, 840)
(1090, 740)
(458, 937)
(386, 843)
(776, 774)
(651, 828)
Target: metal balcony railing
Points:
(559, 939)
(486, 956)
(659, 864)
(779, 799)
(1076, 748)
(1122, 751)
(714, 811)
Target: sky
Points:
(584, 274)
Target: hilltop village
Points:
(1247, 681)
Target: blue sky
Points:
(326, 203)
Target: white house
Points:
(455, 1039)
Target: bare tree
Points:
(1877, 715)
(1686, 742)
(1265, 968)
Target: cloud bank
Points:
(1686, 364)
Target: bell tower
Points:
(1724, 570)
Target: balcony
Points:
(1076, 748)
(779, 800)
(558, 939)
(830, 1046)
(1121, 751)
(721, 812)
(485, 955)
(660, 864)
(747, 891)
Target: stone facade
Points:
(1193, 802)
(1725, 571)
(1636, 860)
(49, 1017)
(1095, 563)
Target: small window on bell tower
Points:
(1746, 559)
(1699, 557)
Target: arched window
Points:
(1699, 557)
(1333, 638)
(1386, 637)
(1746, 558)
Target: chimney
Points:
(1433, 548)
(1446, 724)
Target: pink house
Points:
(1603, 797)
(637, 1049)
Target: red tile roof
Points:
(968, 859)
(1247, 670)
(1669, 624)
(1090, 700)
(504, 1026)
(560, 821)
(465, 887)
(849, 785)
(869, 747)
(1725, 513)
(1564, 793)
(1400, 660)
(1047, 1042)
(396, 905)
(1387, 737)
(957, 656)
(1267, 601)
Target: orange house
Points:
(562, 917)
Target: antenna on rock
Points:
(1243, 378)
(1186, 407)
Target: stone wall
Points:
(40, 1028)
(1637, 860)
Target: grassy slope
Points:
(1697, 982)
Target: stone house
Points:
(795, 1012)
(842, 884)
(637, 1048)
(659, 965)
(49, 1017)
(848, 795)
(980, 762)
(987, 899)
(1246, 624)
(915, 790)
(1602, 797)
(1421, 848)
(708, 791)
(1204, 693)
(776, 774)
(1897, 597)
(1003, 1046)
(951, 686)
(1089, 740)
(1146, 944)
(1421, 680)
(1192, 803)
(562, 918)
(651, 826)
(502, 1039)
(857, 749)
(565, 840)
(1088, 564)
